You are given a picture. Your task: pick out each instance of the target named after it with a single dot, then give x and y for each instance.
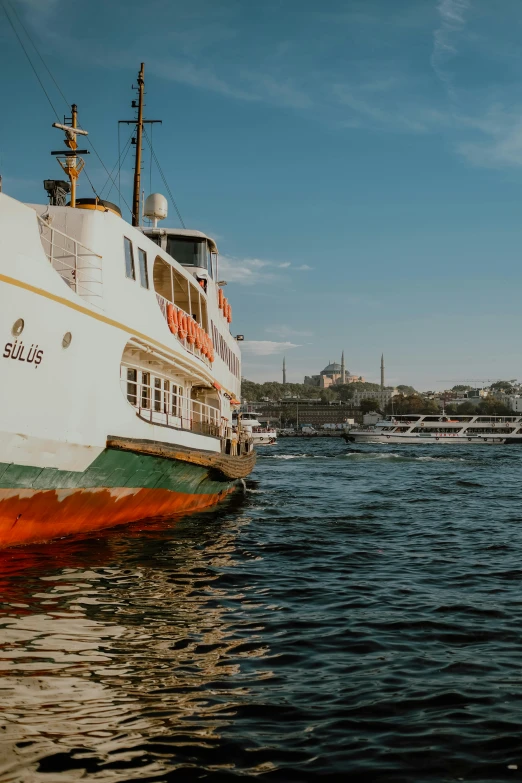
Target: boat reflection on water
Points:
(122, 671)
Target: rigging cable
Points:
(127, 146)
(13, 11)
(164, 180)
(92, 186)
(4, 4)
(30, 61)
(119, 163)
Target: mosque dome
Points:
(333, 368)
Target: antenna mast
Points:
(139, 138)
(139, 122)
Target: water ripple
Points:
(356, 615)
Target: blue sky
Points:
(358, 162)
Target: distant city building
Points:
(382, 396)
(334, 374)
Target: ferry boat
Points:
(119, 370)
(261, 436)
(433, 429)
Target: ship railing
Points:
(185, 342)
(78, 266)
(168, 408)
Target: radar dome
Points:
(156, 206)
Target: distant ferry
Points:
(261, 436)
(119, 370)
(432, 429)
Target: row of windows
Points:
(130, 268)
(224, 352)
(163, 396)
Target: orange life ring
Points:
(198, 337)
(182, 325)
(191, 330)
(225, 305)
(229, 313)
(172, 318)
(220, 298)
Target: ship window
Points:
(212, 269)
(144, 276)
(157, 394)
(132, 386)
(129, 259)
(177, 394)
(145, 390)
(189, 251)
(163, 279)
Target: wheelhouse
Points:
(189, 248)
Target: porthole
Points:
(18, 327)
(66, 340)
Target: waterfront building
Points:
(292, 411)
(382, 396)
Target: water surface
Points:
(359, 611)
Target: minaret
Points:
(343, 369)
(382, 372)
(284, 370)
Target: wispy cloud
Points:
(496, 137)
(251, 271)
(186, 72)
(452, 19)
(265, 347)
(283, 330)
(388, 90)
(246, 271)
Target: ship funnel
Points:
(156, 207)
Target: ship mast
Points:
(139, 139)
(72, 164)
(139, 122)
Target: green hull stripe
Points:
(114, 468)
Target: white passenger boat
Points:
(261, 436)
(434, 429)
(119, 371)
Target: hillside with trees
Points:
(273, 391)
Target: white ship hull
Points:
(418, 440)
(429, 430)
(266, 438)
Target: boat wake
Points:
(401, 457)
(298, 456)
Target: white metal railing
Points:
(76, 264)
(185, 342)
(162, 403)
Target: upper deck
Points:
(97, 262)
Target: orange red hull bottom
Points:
(31, 515)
